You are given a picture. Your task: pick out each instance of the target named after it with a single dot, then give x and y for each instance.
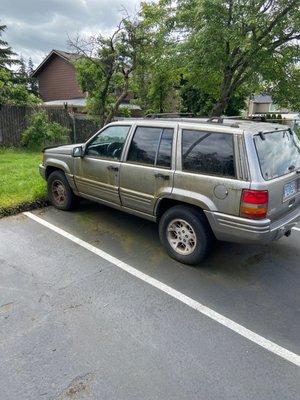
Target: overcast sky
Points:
(34, 27)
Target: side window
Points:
(152, 146)
(108, 143)
(208, 152)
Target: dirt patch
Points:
(77, 387)
(5, 212)
(5, 308)
(254, 259)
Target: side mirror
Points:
(78, 151)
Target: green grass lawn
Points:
(20, 182)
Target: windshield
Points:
(278, 153)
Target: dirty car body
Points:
(239, 178)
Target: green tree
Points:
(32, 82)
(198, 102)
(285, 86)
(106, 66)
(6, 54)
(224, 51)
(231, 44)
(14, 93)
(157, 76)
(21, 76)
(13, 85)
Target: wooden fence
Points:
(14, 120)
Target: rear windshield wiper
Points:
(262, 136)
(293, 168)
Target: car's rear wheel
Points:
(59, 192)
(186, 234)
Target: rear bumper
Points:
(242, 230)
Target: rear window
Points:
(208, 152)
(278, 153)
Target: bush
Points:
(41, 132)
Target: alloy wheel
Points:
(181, 236)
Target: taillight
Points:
(254, 204)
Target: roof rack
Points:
(170, 115)
(187, 116)
(218, 120)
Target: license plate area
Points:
(289, 190)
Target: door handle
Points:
(112, 168)
(162, 176)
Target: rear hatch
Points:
(279, 159)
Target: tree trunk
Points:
(225, 95)
(102, 113)
(219, 107)
(231, 82)
(123, 95)
(103, 100)
(161, 101)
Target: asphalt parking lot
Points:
(75, 325)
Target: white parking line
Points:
(296, 229)
(221, 319)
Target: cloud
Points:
(35, 27)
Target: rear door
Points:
(278, 155)
(147, 172)
(97, 173)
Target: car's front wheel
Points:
(186, 234)
(59, 192)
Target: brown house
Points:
(58, 86)
(56, 77)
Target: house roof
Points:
(262, 98)
(70, 57)
(81, 102)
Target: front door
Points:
(97, 173)
(147, 173)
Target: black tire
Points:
(57, 180)
(200, 230)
